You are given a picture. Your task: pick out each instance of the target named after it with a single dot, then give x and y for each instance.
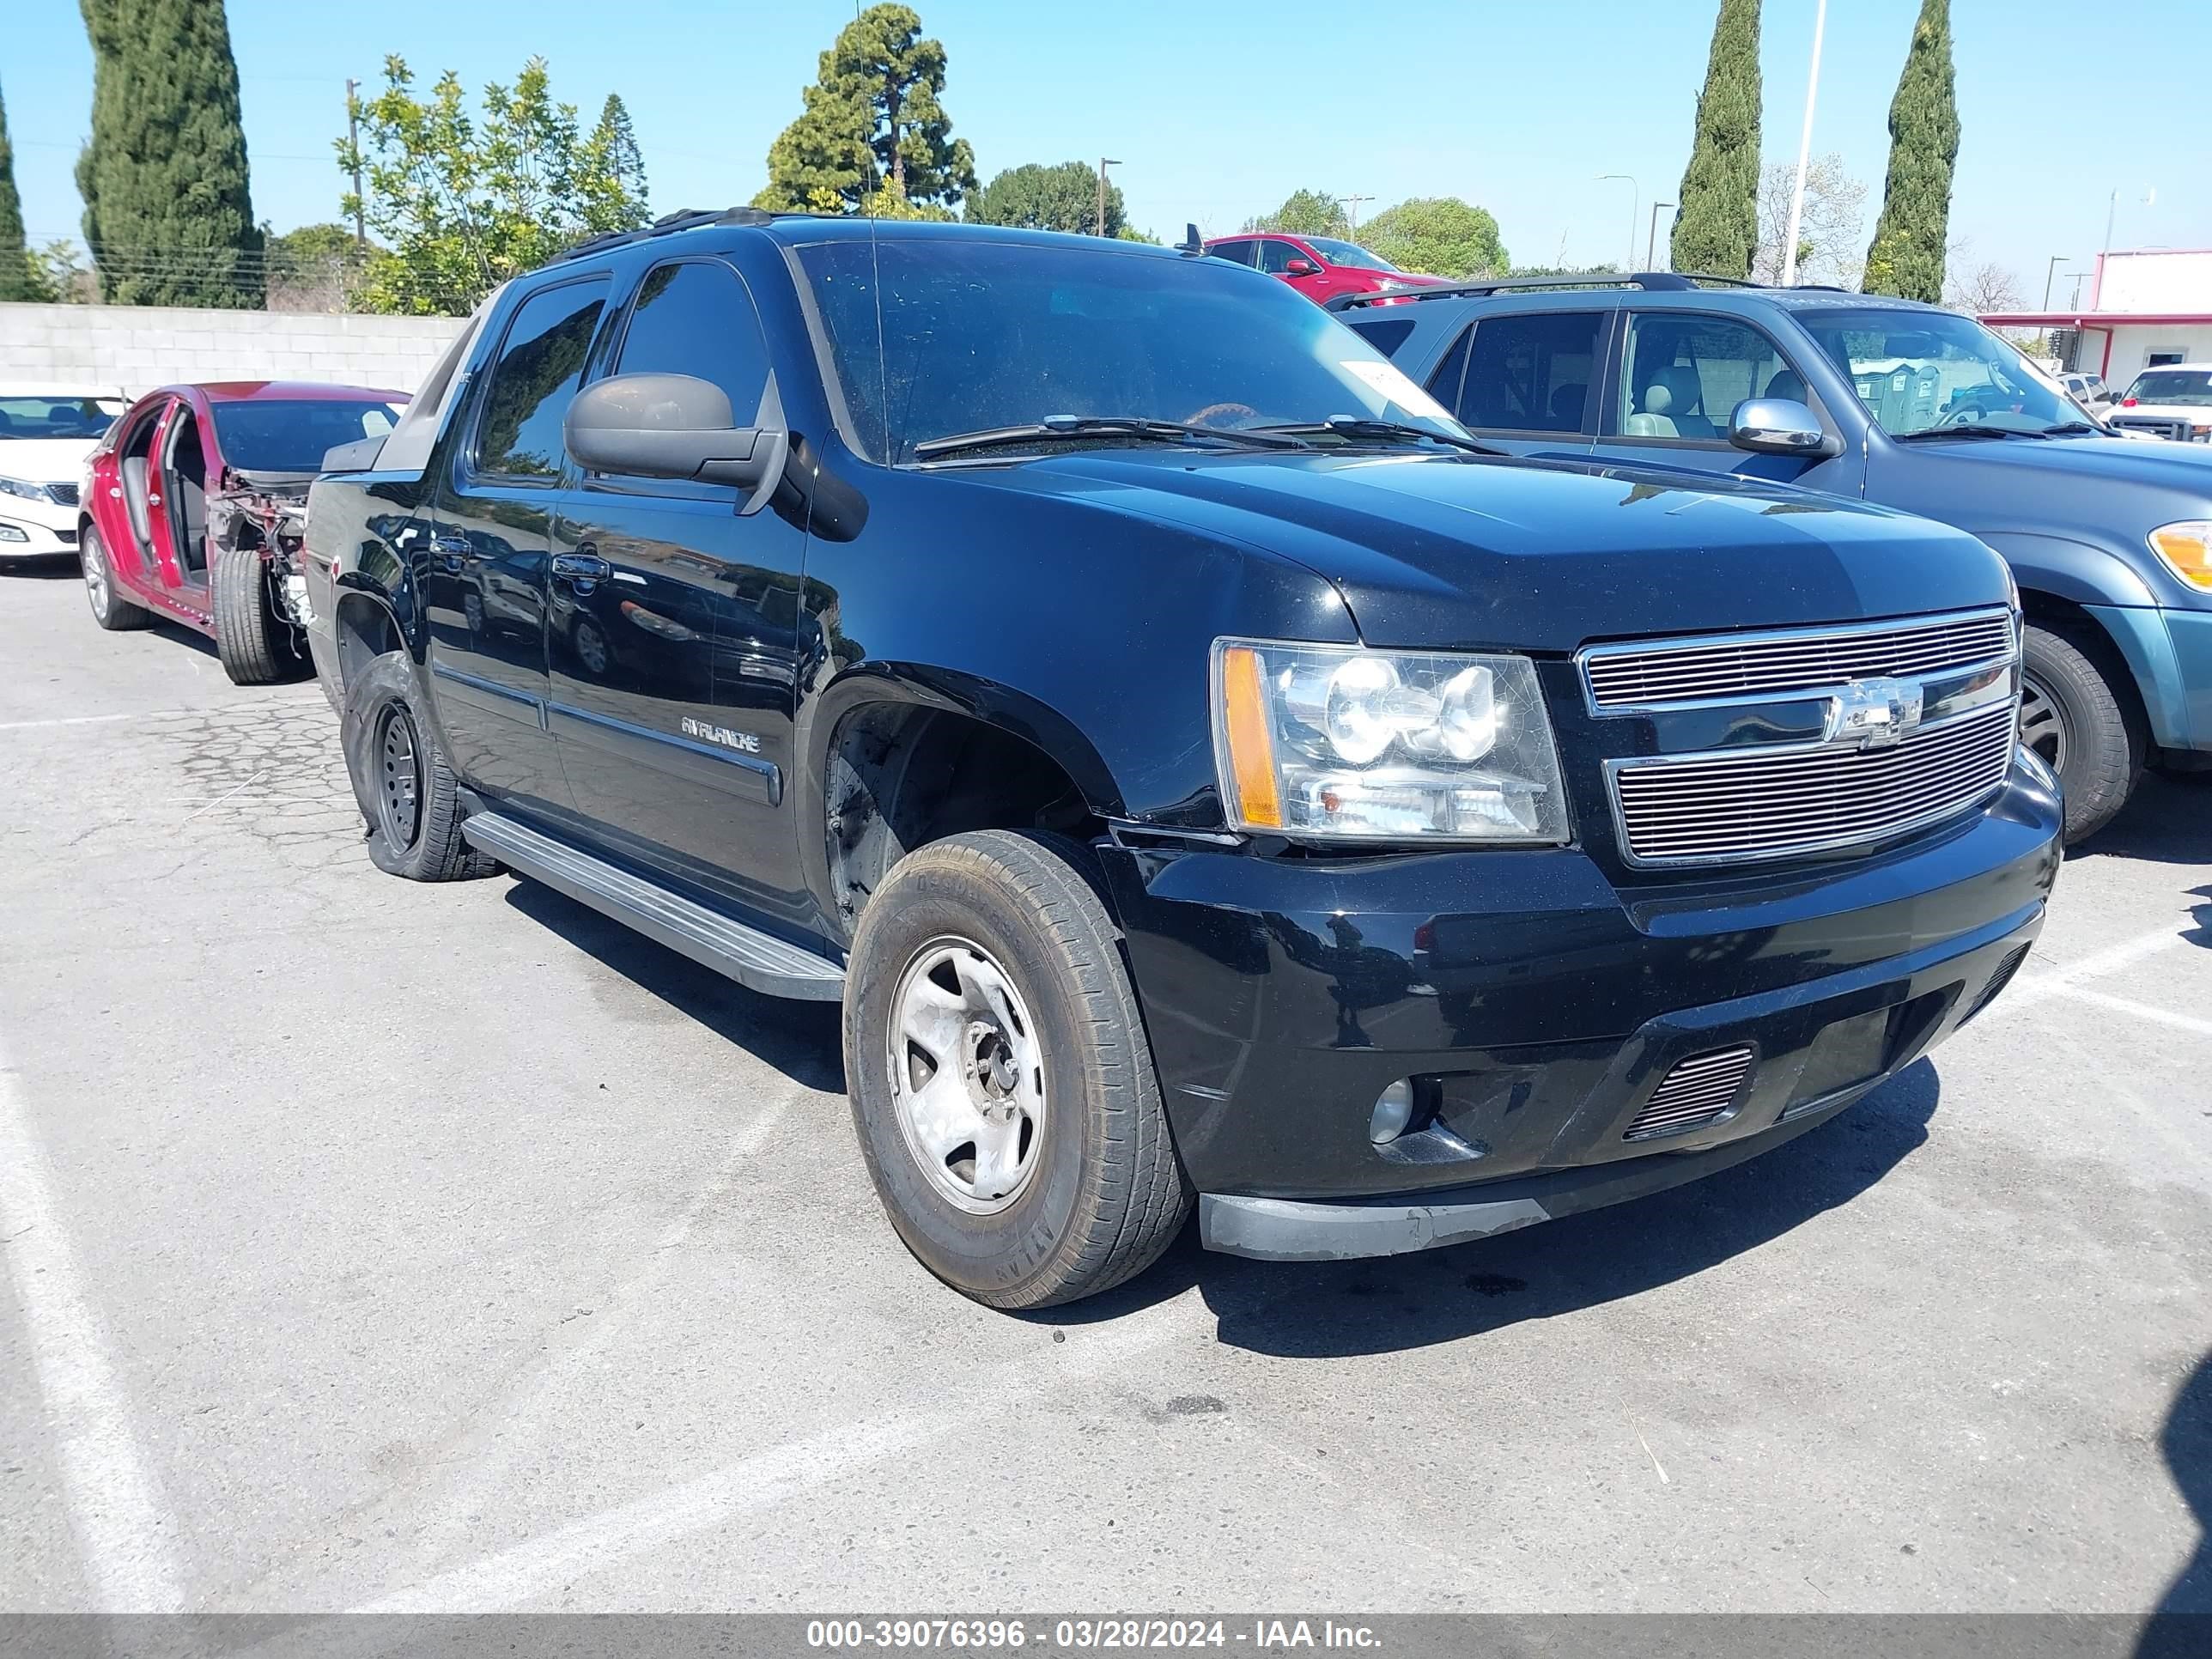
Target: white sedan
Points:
(46, 432)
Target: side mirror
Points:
(1301, 268)
(673, 425)
(1780, 426)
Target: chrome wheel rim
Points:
(2042, 725)
(592, 646)
(93, 559)
(473, 611)
(398, 777)
(967, 1071)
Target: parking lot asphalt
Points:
(378, 1245)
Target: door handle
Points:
(583, 571)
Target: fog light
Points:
(9, 533)
(1393, 1110)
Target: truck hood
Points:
(1443, 551)
(44, 460)
(2096, 488)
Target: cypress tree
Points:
(168, 214)
(1906, 258)
(1716, 223)
(15, 281)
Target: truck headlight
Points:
(2186, 547)
(1335, 741)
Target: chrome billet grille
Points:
(1627, 677)
(1698, 1091)
(1755, 805)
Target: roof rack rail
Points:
(1659, 280)
(669, 223)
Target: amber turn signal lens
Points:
(2187, 549)
(1251, 745)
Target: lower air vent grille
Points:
(1698, 1091)
(1998, 981)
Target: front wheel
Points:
(1002, 1086)
(254, 647)
(2082, 724)
(408, 795)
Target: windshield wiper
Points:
(2073, 426)
(1075, 428)
(1974, 429)
(1355, 426)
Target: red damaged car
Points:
(1319, 267)
(193, 507)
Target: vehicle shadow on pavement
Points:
(49, 566)
(2167, 820)
(1313, 1310)
(2184, 1618)
(800, 1039)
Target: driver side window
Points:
(1275, 257)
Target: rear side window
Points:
(695, 318)
(1386, 337)
(540, 360)
(1237, 253)
(1532, 373)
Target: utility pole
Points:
(2050, 271)
(1634, 200)
(1804, 153)
(1103, 163)
(1351, 213)
(353, 144)
(1651, 238)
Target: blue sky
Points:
(1217, 111)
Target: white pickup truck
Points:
(2173, 400)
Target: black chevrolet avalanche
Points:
(1205, 774)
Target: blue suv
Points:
(1882, 400)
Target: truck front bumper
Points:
(1544, 1020)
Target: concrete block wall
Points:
(141, 347)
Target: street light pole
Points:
(2050, 271)
(1103, 163)
(1651, 238)
(1634, 200)
(1804, 153)
(1352, 214)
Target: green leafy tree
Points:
(1065, 198)
(1306, 213)
(314, 268)
(1440, 234)
(1911, 238)
(1716, 226)
(167, 212)
(18, 278)
(462, 204)
(611, 175)
(874, 120)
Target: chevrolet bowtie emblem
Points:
(1875, 714)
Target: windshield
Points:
(293, 437)
(960, 335)
(2172, 385)
(43, 415)
(1920, 371)
(1348, 254)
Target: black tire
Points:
(407, 793)
(254, 647)
(1105, 1193)
(109, 608)
(2079, 714)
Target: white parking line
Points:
(555, 1561)
(2026, 992)
(121, 1532)
(2142, 1010)
(69, 720)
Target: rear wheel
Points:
(1002, 1085)
(254, 647)
(2082, 724)
(407, 793)
(109, 608)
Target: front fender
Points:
(2079, 571)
